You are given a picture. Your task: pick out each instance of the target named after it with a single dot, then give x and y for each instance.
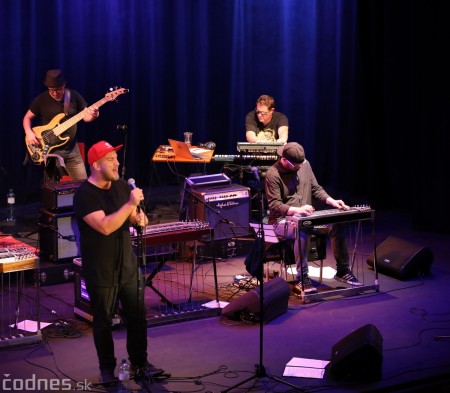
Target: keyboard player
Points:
(265, 124)
(290, 187)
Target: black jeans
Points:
(103, 304)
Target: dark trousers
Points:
(103, 304)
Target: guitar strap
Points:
(66, 101)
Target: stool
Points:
(281, 250)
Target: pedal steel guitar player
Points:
(290, 187)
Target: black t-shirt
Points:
(106, 260)
(46, 108)
(270, 131)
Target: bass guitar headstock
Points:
(115, 92)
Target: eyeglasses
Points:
(259, 113)
(290, 164)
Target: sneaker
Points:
(308, 287)
(148, 370)
(348, 278)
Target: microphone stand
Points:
(141, 257)
(260, 371)
(124, 129)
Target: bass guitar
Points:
(49, 136)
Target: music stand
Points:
(257, 270)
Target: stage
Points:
(213, 353)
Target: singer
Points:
(105, 206)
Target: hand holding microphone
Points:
(136, 196)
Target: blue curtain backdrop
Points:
(363, 83)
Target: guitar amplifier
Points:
(59, 236)
(225, 207)
(58, 197)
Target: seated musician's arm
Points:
(251, 128)
(275, 201)
(303, 210)
(272, 186)
(338, 203)
(283, 128)
(283, 133)
(319, 192)
(251, 136)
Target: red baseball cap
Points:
(99, 150)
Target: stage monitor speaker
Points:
(401, 259)
(59, 236)
(225, 207)
(358, 356)
(248, 308)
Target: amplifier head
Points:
(225, 208)
(58, 197)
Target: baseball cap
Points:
(99, 150)
(293, 152)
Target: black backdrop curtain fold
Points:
(364, 84)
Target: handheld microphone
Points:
(255, 171)
(132, 184)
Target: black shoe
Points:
(308, 287)
(107, 377)
(148, 370)
(348, 278)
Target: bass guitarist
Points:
(57, 100)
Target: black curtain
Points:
(364, 84)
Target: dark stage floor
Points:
(205, 352)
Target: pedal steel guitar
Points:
(334, 216)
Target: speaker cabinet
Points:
(358, 356)
(401, 259)
(225, 207)
(59, 236)
(248, 308)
